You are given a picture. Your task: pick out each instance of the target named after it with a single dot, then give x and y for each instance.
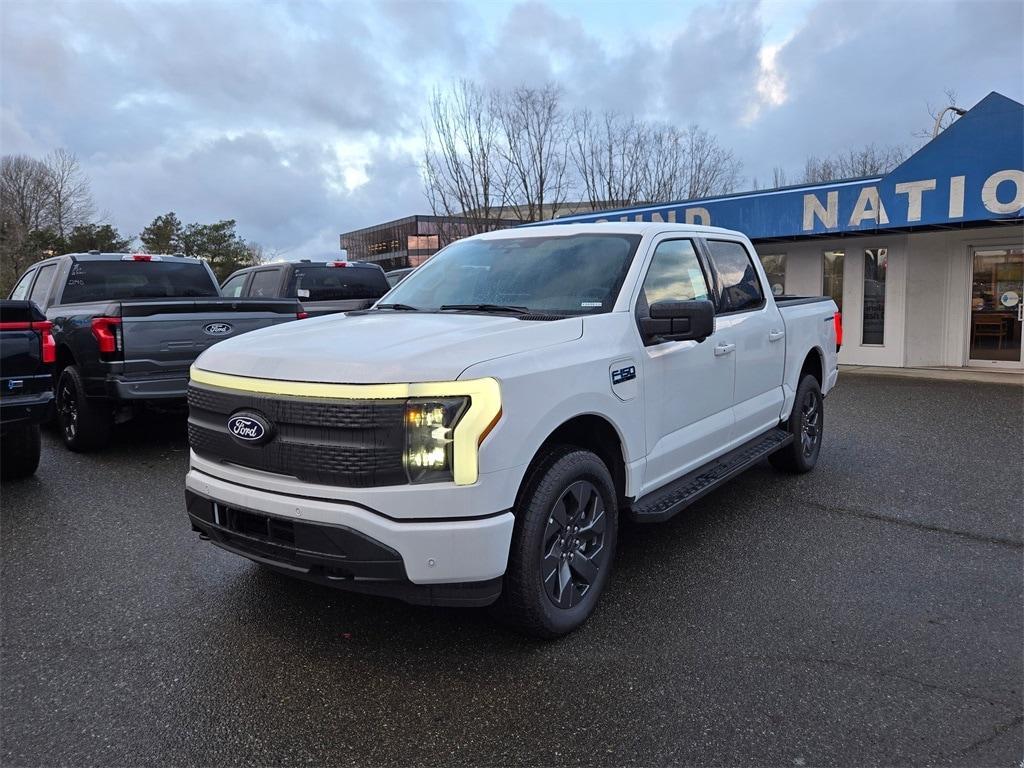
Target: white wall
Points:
(928, 290)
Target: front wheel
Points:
(562, 545)
(807, 424)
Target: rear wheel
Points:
(806, 423)
(19, 453)
(84, 424)
(562, 545)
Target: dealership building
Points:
(926, 262)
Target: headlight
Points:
(429, 437)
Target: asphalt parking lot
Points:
(869, 613)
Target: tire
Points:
(84, 424)
(563, 544)
(807, 424)
(19, 454)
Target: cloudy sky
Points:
(302, 120)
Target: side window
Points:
(233, 287)
(42, 287)
(737, 278)
(264, 284)
(674, 275)
(21, 289)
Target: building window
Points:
(876, 262)
(832, 277)
(423, 243)
(775, 269)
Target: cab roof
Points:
(545, 229)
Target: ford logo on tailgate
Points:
(217, 329)
(250, 428)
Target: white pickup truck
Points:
(476, 437)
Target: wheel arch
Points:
(592, 432)
(814, 364)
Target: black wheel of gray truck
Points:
(19, 451)
(84, 423)
(807, 424)
(562, 544)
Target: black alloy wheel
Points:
(67, 411)
(807, 425)
(573, 551)
(563, 543)
(85, 422)
(810, 421)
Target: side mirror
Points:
(678, 321)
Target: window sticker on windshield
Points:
(591, 303)
(303, 293)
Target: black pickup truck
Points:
(27, 352)
(323, 287)
(127, 328)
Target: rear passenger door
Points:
(234, 287)
(265, 284)
(752, 331)
(20, 291)
(688, 387)
(41, 288)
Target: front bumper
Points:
(440, 561)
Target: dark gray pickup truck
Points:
(127, 328)
(323, 287)
(27, 352)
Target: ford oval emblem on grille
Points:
(250, 428)
(217, 329)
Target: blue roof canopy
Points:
(971, 172)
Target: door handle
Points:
(724, 349)
(776, 335)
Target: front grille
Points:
(351, 443)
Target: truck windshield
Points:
(561, 275)
(109, 280)
(337, 283)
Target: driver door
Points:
(688, 385)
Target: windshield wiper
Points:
(398, 307)
(489, 308)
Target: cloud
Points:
(302, 120)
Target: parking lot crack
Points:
(866, 515)
(997, 731)
(885, 673)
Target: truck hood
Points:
(382, 347)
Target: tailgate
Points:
(163, 338)
(317, 308)
(22, 370)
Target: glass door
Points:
(997, 306)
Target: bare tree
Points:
(711, 169)
(608, 155)
(870, 160)
(24, 208)
(533, 151)
(69, 199)
(23, 193)
(941, 116)
(463, 174)
(664, 164)
(778, 177)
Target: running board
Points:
(667, 501)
